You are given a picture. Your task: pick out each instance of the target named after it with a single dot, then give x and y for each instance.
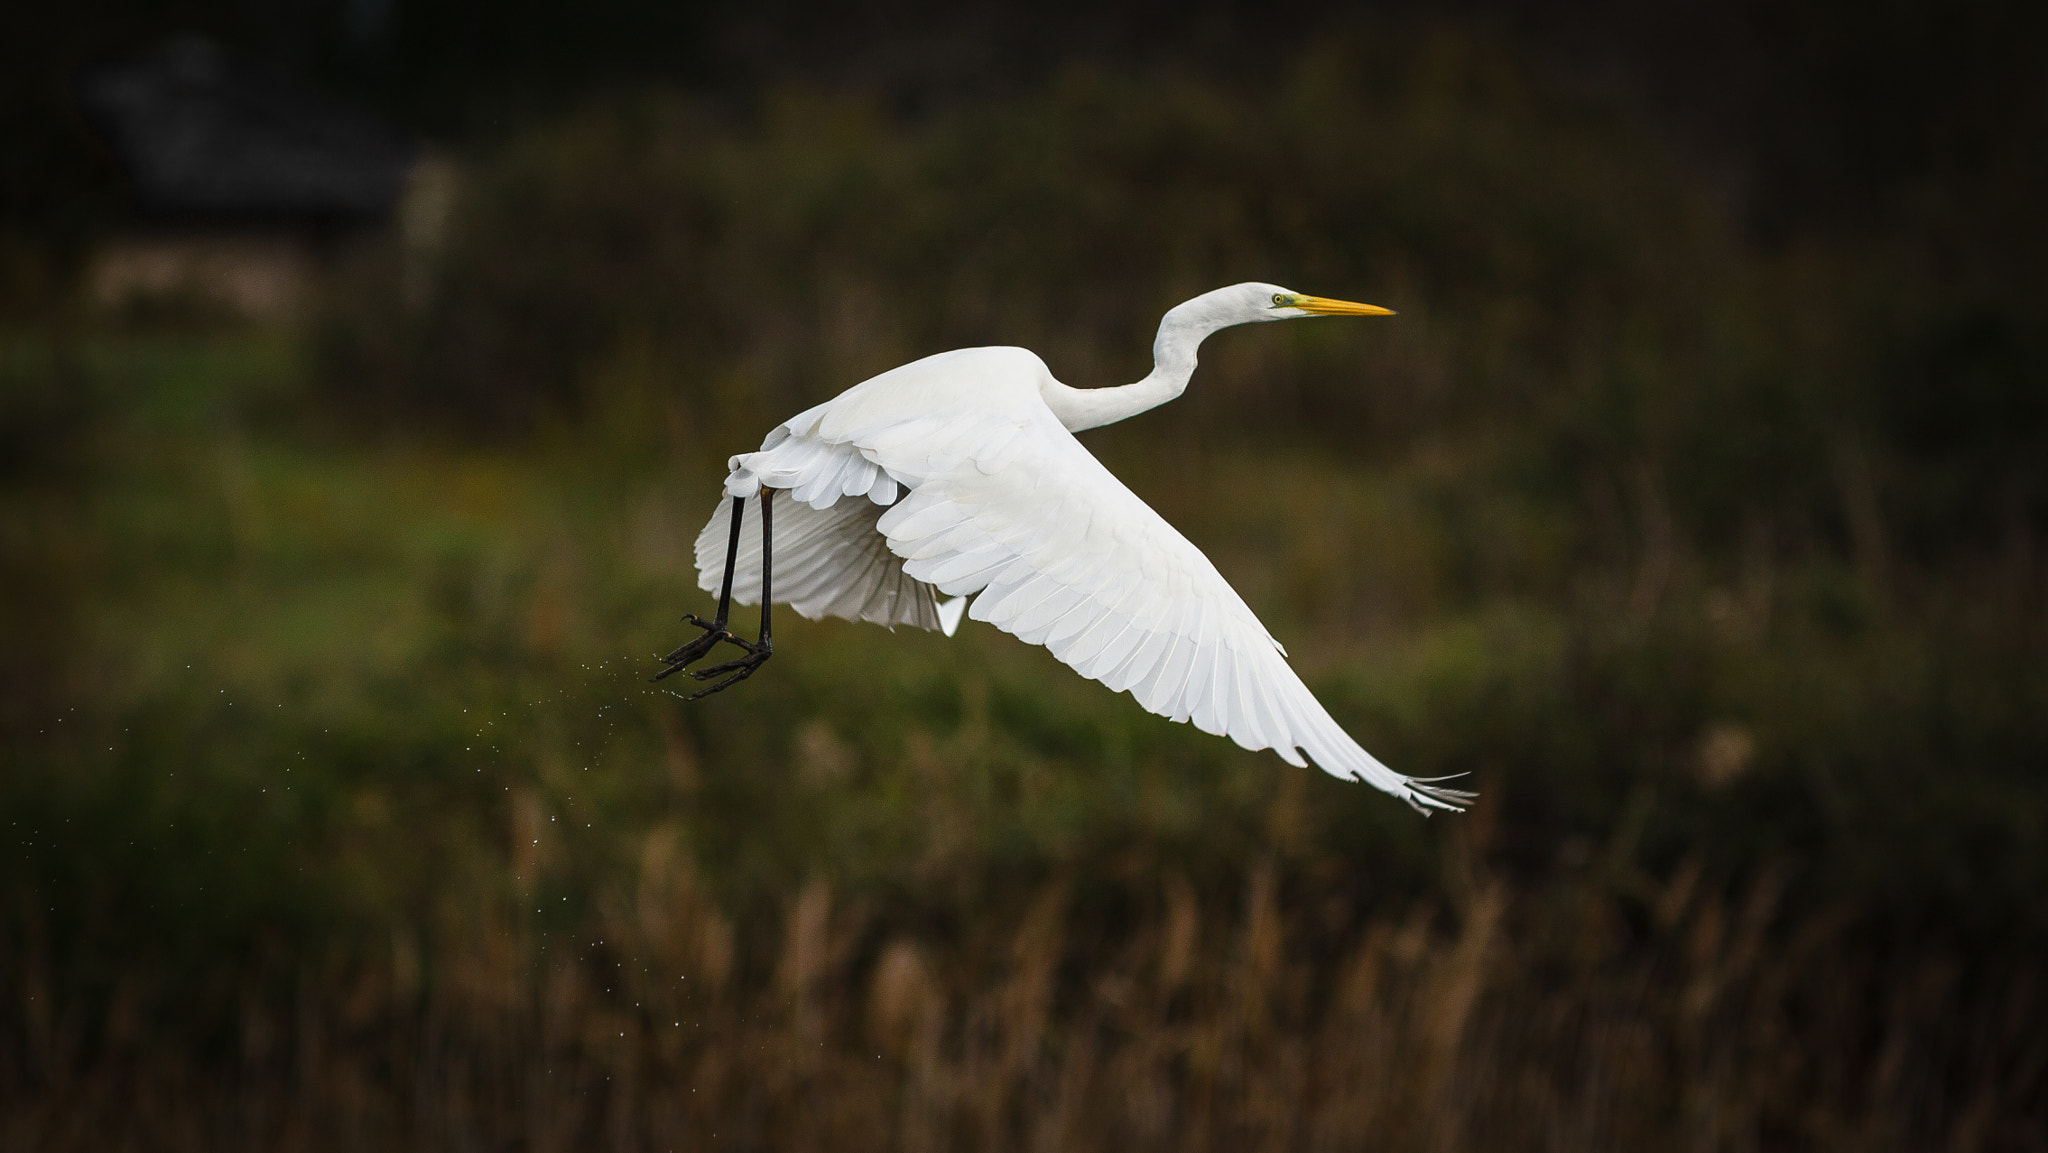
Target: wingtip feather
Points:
(950, 612)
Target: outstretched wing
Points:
(1062, 554)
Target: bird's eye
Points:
(1279, 301)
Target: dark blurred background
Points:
(367, 368)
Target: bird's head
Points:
(1272, 302)
(1255, 301)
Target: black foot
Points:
(714, 632)
(697, 649)
(739, 670)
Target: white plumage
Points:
(959, 476)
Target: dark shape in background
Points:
(201, 133)
(240, 181)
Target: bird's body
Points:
(959, 475)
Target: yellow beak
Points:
(1324, 306)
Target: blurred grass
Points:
(340, 813)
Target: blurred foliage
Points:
(339, 808)
(818, 237)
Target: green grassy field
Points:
(341, 813)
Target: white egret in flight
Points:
(958, 476)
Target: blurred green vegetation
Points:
(332, 761)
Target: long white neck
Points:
(1181, 332)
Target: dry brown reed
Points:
(1679, 1016)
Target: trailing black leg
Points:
(757, 654)
(714, 631)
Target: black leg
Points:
(757, 654)
(715, 631)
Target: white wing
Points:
(828, 562)
(829, 558)
(1064, 555)
(1004, 502)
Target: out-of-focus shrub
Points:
(783, 255)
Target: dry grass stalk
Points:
(1723, 1031)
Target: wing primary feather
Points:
(1204, 686)
(1110, 664)
(1143, 657)
(1201, 664)
(1021, 600)
(1085, 645)
(949, 614)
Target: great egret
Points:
(959, 475)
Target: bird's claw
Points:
(699, 647)
(740, 669)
